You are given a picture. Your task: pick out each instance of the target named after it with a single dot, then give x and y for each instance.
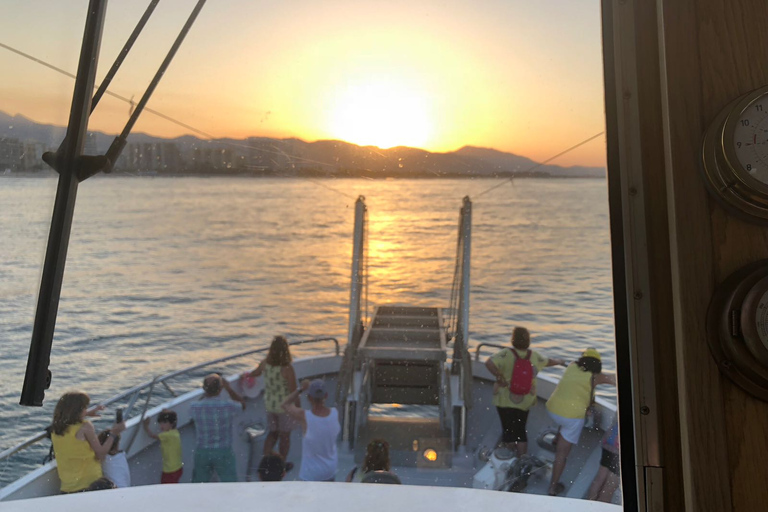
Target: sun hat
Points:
(591, 352)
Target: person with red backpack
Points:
(515, 370)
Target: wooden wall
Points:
(693, 57)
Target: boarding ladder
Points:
(402, 358)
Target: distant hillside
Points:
(293, 156)
(508, 162)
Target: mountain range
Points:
(325, 157)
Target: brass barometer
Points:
(735, 156)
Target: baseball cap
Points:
(316, 389)
(591, 352)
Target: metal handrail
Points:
(477, 349)
(161, 379)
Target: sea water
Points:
(163, 273)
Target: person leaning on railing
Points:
(517, 365)
(568, 406)
(77, 448)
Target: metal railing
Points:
(135, 392)
(477, 349)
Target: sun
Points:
(381, 113)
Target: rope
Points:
(542, 163)
(210, 137)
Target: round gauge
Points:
(735, 156)
(737, 328)
(750, 139)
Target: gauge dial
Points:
(735, 157)
(750, 139)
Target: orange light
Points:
(430, 455)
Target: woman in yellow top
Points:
(75, 444)
(513, 409)
(568, 407)
(279, 381)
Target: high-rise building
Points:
(32, 157)
(11, 154)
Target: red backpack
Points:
(522, 374)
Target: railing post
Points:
(356, 289)
(355, 330)
(460, 346)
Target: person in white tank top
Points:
(320, 428)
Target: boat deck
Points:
(484, 432)
(409, 430)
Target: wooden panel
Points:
(703, 430)
(714, 51)
(734, 54)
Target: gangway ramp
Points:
(402, 361)
(405, 349)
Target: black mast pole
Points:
(37, 378)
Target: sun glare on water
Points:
(381, 114)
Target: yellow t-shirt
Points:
(170, 448)
(505, 362)
(75, 461)
(573, 393)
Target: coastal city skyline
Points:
(518, 78)
(23, 142)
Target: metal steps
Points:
(401, 360)
(404, 351)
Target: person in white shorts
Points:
(568, 407)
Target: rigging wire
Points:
(210, 137)
(113, 94)
(541, 163)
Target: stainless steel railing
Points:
(477, 348)
(133, 394)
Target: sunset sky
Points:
(516, 75)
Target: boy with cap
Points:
(320, 427)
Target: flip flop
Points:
(559, 487)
